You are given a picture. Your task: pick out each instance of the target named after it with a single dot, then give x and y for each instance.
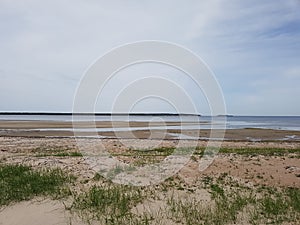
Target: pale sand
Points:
(23, 150)
(43, 212)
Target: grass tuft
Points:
(18, 183)
(109, 204)
(294, 196)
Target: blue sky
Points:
(253, 48)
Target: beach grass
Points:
(60, 154)
(163, 151)
(230, 202)
(18, 183)
(233, 203)
(260, 151)
(109, 204)
(100, 200)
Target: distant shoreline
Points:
(96, 114)
(131, 114)
(140, 129)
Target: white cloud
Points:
(293, 73)
(47, 45)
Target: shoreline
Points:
(139, 131)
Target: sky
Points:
(252, 47)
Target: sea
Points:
(231, 122)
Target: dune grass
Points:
(261, 151)
(163, 151)
(18, 183)
(60, 154)
(109, 204)
(234, 204)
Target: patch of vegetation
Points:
(163, 151)
(70, 154)
(141, 157)
(278, 206)
(230, 201)
(260, 151)
(109, 204)
(250, 151)
(18, 183)
(97, 177)
(294, 196)
(273, 205)
(61, 154)
(50, 149)
(235, 204)
(150, 156)
(217, 190)
(145, 156)
(224, 210)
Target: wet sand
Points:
(27, 124)
(64, 129)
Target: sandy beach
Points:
(64, 129)
(40, 149)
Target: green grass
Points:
(141, 157)
(294, 196)
(217, 190)
(233, 204)
(273, 206)
(18, 183)
(163, 151)
(109, 204)
(260, 151)
(71, 154)
(151, 156)
(225, 210)
(200, 151)
(146, 156)
(60, 154)
(147, 152)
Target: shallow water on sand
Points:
(235, 122)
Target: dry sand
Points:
(272, 170)
(38, 212)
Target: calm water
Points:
(236, 122)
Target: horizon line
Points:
(131, 113)
(96, 113)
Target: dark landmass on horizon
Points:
(134, 114)
(96, 114)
